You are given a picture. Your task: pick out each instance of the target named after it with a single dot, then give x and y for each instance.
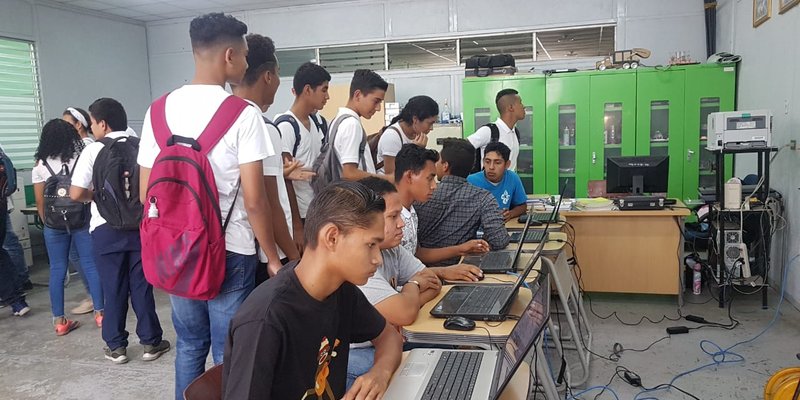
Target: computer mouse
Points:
(458, 323)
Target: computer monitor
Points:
(637, 175)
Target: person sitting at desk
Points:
(503, 183)
(291, 337)
(457, 210)
(415, 175)
(402, 284)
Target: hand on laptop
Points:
(507, 215)
(475, 246)
(461, 272)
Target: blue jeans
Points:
(17, 254)
(203, 325)
(74, 260)
(58, 244)
(9, 292)
(359, 363)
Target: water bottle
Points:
(565, 139)
(697, 281)
(613, 136)
(445, 119)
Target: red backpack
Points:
(183, 236)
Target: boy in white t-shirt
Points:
(220, 52)
(509, 105)
(258, 87)
(310, 86)
(367, 90)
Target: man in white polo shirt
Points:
(511, 109)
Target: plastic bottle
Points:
(613, 136)
(605, 136)
(445, 113)
(697, 281)
(572, 137)
(565, 138)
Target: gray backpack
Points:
(327, 165)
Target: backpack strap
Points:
(158, 121)
(495, 132)
(295, 125)
(50, 170)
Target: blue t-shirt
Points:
(509, 192)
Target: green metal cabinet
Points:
(567, 133)
(660, 119)
(478, 102)
(612, 118)
(709, 88)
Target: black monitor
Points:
(637, 175)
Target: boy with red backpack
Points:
(106, 174)
(205, 202)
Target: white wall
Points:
(82, 57)
(769, 78)
(663, 27)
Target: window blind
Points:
(20, 101)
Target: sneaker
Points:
(153, 352)
(66, 327)
(85, 307)
(117, 356)
(20, 307)
(98, 318)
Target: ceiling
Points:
(156, 10)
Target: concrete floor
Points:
(36, 364)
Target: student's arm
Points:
(388, 351)
(258, 208)
(432, 256)
(388, 165)
(38, 193)
(481, 137)
(297, 222)
(351, 172)
(279, 227)
(515, 212)
(401, 309)
(144, 179)
(80, 189)
(518, 197)
(494, 228)
(250, 362)
(458, 272)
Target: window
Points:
(431, 54)
(290, 60)
(519, 45)
(574, 43)
(351, 58)
(20, 104)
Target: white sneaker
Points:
(84, 307)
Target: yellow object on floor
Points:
(783, 385)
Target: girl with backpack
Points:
(412, 125)
(66, 221)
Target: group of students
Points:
(344, 262)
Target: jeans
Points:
(17, 254)
(203, 325)
(58, 244)
(74, 260)
(9, 291)
(119, 255)
(359, 363)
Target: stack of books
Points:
(594, 204)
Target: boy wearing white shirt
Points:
(511, 109)
(220, 52)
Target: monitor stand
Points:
(637, 188)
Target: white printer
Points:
(739, 130)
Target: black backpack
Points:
(8, 176)
(60, 211)
(116, 183)
(477, 165)
(321, 124)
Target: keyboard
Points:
(496, 258)
(454, 376)
(538, 217)
(482, 299)
(530, 237)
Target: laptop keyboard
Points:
(454, 376)
(482, 299)
(530, 237)
(542, 217)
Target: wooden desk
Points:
(629, 251)
(516, 389)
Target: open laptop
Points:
(472, 374)
(539, 235)
(498, 261)
(484, 301)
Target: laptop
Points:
(484, 301)
(538, 236)
(472, 374)
(539, 218)
(498, 261)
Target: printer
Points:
(739, 130)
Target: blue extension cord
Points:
(719, 356)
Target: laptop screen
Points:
(524, 334)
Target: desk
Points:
(629, 251)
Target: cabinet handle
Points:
(594, 157)
(689, 154)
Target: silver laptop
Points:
(472, 374)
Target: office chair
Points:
(207, 386)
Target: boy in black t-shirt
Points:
(290, 339)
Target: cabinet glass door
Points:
(612, 133)
(567, 158)
(659, 128)
(568, 134)
(708, 164)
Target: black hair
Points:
(366, 81)
(500, 95)
(381, 187)
(59, 140)
(85, 115)
(412, 158)
(499, 148)
(215, 28)
(260, 57)
(422, 107)
(111, 111)
(309, 74)
(460, 155)
(344, 204)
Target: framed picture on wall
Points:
(762, 10)
(785, 5)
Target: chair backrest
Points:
(207, 386)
